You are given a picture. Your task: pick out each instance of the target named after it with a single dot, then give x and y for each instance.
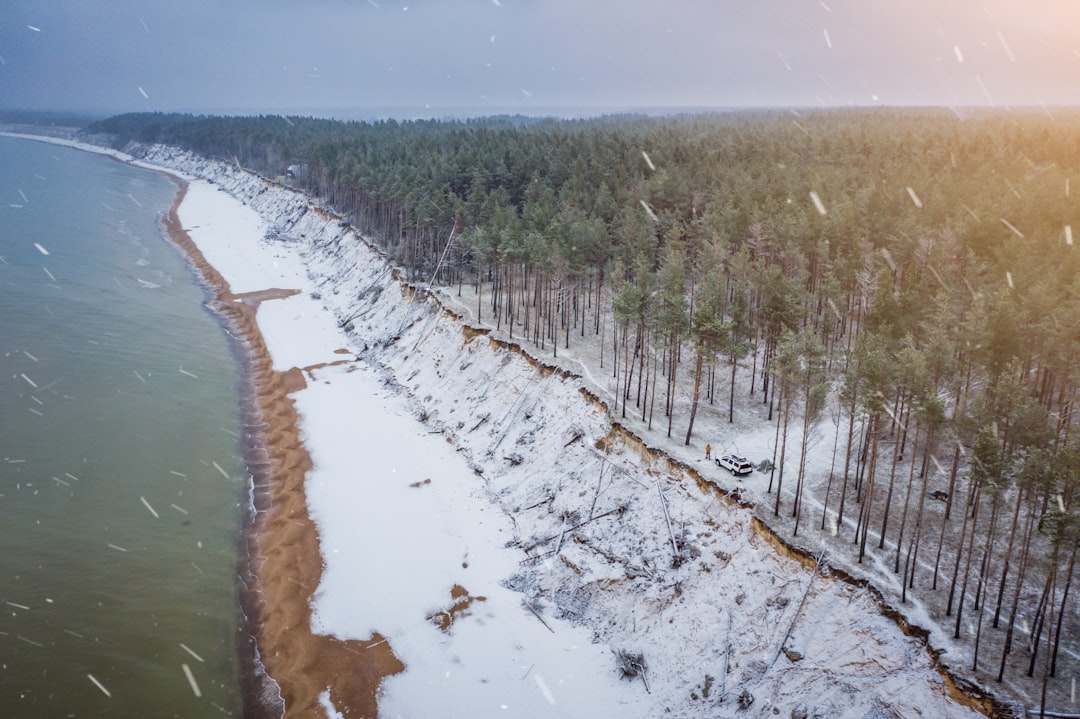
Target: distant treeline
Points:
(40, 122)
(913, 268)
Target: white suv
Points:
(735, 464)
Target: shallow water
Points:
(121, 479)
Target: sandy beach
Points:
(283, 544)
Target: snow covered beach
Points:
(379, 480)
(482, 513)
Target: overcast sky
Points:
(336, 57)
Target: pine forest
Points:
(901, 284)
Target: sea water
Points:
(121, 481)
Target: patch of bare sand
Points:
(285, 563)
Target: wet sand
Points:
(283, 563)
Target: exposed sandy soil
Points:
(284, 560)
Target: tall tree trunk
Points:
(907, 498)
(980, 590)
(868, 490)
(967, 564)
(630, 360)
(731, 395)
(832, 475)
(892, 474)
(864, 454)
(847, 464)
(1061, 614)
(912, 559)
(800, 477)
(753, 369)
(785, 411)
(641, 362)
(479, 284)
(945, 515)
(1008, 555)
(1040, 613)
(960, 549)
(776, 447)
(596, 317)
(928, 453)
(648, 389)
(671, 383)
(652, 402)
(952, 480)
(528, 315)
(1006, 647)
(697, 390)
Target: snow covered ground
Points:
(483, 513)
(523, 553)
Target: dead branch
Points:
(667, 518)
(632, 665)
(618, 510)
(529, 605)
(795, 615)
(727, 657)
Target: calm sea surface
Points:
(121, 479)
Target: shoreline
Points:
(260, 694)
(281, 552)
(287, 670)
